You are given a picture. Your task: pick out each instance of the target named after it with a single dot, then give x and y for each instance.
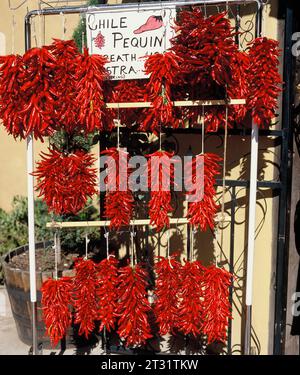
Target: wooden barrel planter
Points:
(18, 289)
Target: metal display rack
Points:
(280, 188)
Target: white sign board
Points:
(125, 36)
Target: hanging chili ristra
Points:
(107, 292)
(65, 81)
(216, 306)
(201, 212)
(264, 80)
(118, 199)
(66, 181)
(129, 91)
(168, 283)
(190, 296)
(161, 178)
(56, 302)
(133, 306)
(163, 69)
(90, 77)
(85, 301)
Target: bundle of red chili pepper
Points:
(190, 308)
(28, 93)
(205, 45)
(107, 292)
(118, 199)
(65, 181)
(168, 283)
(133, 306)
(90, 77)
(163, 69)
(56, 301)
(129, 91)
(264, 80)
(201, 212)
(68, 59)
(161, 178)
(85, 300)
(216, 306)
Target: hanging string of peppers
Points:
(133, 306)
(56, 305)
(85, 301)
(161, 178)
(264, 80)
(107, 292)
(201, 213)
(118, 199)
(168, 282)
(65, 181)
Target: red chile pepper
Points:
(201, 214)
(133, 306)
(107, 293)
(163, 69)
(168, 283)
(66, 181)
(190, 307)
(161, 179)
(56, 302)
(264, 81)
(129, 91)
(118, 201)
(85, 301)
(66, 109)
(90, 77)
(216, 306)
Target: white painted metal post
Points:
(30, 203)
(251, 235)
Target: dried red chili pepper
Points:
(205, 45)
(129, 91)
(118, 199)
(107, 292)
(56, 301)
(66, 181)
(264, 80)
(161, 178)
(65, 80)
(190, 307)
(133, 306)
(33, 97)
(90, 77)
(163, 69)
(202, 212)
(216, 306)
(168, 283)
(85, 301)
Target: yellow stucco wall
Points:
(13, 181)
